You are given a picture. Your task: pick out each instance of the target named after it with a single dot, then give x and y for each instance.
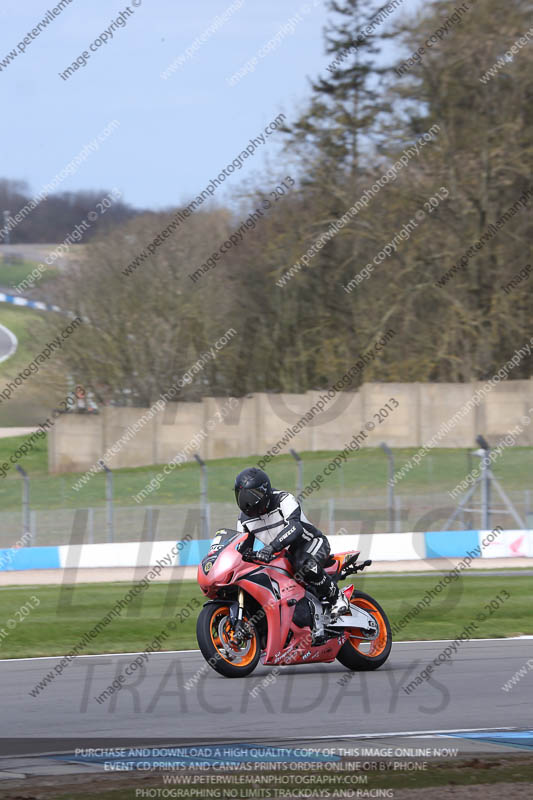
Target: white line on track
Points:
(404, 733)
(198, 742)
(172, 652)
(13, 340)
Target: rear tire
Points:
(213, 632)
(352, 654)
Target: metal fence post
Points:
(485, 483)
(300, 464)
(390, 491)
(109, 500)
(398, 515)
(203, 493)
(331, 515)
(90, 525)
(25, 499)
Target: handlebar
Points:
(248, 555)
(251, 557)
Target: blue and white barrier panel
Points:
(378, 547)
(23, 301)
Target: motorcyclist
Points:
(276, 519)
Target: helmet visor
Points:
(252, 501)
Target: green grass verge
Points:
(26, 325)
(64, 614)
(32, 400)
(11, 275)
(364, 473)
(461, 772)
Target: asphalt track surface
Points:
(315, 701)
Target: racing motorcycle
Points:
(258, 611)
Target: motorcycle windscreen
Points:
(223, 537)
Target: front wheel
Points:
(365, 654)
(214, 631)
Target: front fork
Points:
(239, 628)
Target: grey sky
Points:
(174, 134)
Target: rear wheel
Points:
(220, 648)
(363, 653)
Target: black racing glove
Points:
(266, 554)
(247, 553)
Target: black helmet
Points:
(253, 491)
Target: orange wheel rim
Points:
(221, 636)
(377, 645)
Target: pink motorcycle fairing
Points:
(275, 590)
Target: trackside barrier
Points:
(378, 547)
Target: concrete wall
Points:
(259, 421)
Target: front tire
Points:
(220, 650)
(360, 654)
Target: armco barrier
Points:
(378, 547)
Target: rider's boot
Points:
(339, 604)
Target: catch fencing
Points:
(354, 498)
